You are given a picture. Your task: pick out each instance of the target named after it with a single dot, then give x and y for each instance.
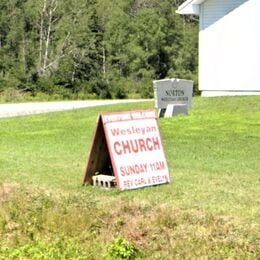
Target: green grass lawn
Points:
(211, 209)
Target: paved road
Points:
(21, 109)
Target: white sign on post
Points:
(131, 143)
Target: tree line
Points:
(99, 48)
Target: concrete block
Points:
(104, 181)
(176, 109)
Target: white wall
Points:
(229, 45)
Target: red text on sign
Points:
(137, 145)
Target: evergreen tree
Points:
(101, 47)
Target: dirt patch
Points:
(6, 189)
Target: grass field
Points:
(210, 210)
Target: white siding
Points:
(212, 10)
(229, 40)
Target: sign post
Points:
(133, 148)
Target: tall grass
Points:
(209, 210)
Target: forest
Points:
(94, 48)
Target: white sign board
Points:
(136, 149)
(172, 91)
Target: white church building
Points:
(229, 45)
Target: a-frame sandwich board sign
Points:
(129, 146)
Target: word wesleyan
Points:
(133, 130)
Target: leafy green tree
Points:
(101, 47)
